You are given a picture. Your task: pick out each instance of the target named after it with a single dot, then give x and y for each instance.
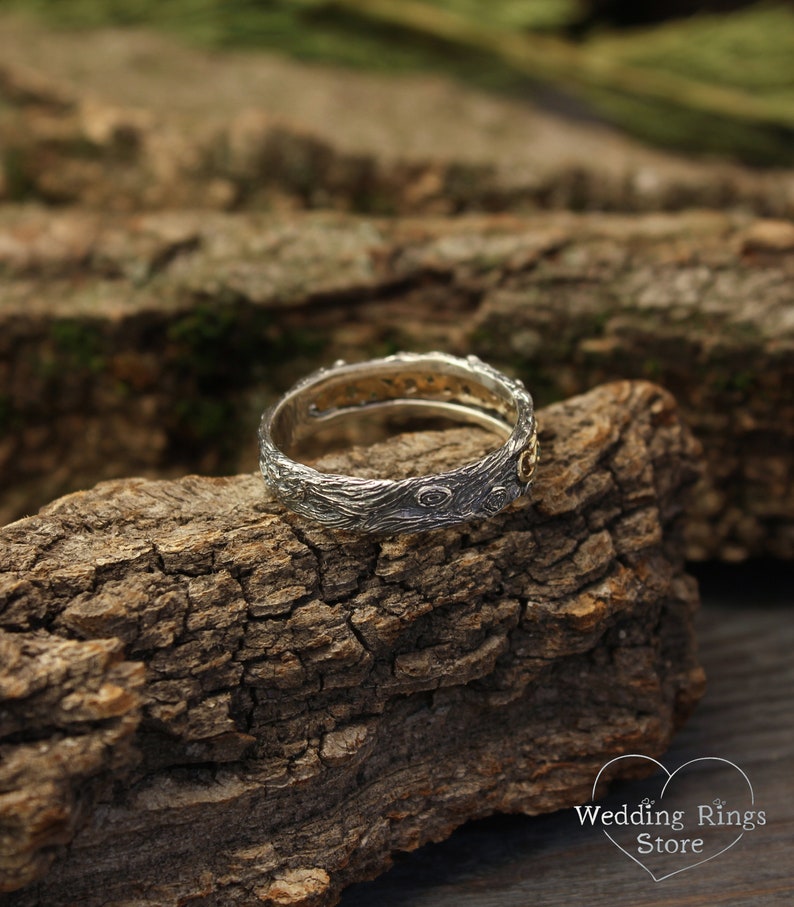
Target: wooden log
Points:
(552, 860)
(84, 123)
(149, 344)
(206, 699)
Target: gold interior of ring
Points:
(352, 407)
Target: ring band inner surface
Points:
(401, 389)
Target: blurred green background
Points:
(701, 76)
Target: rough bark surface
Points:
(207, 700)
(149, 344)
(89, 120)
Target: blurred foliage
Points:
(538, 15)
(251, 22)
(717, 83)
(751, 51)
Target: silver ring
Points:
(466, 390)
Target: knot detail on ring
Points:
(528, 460)
(496, 499)
(435, 496)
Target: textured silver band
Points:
(466, 390)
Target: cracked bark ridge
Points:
(208, 700)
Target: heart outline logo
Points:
(670, 776)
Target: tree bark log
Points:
(206, 699)
(149, 344)
(86, 124)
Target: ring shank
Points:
(409, 388)
(436, 384)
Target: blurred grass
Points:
(231, 22)
(750, 51)
(719, 83)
